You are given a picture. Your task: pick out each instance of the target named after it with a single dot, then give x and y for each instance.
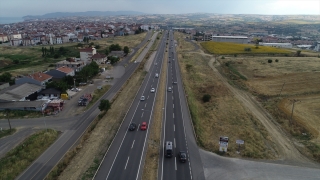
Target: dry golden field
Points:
(224, 115)
(234, 48)
(300, 79)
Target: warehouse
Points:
(280, 45)
(232, 39)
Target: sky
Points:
(19, 8)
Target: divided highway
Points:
(125, 157)
(177, 128)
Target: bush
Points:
(277, 60)
(269, 60)
(56, 56)
(206, 98)
(227, 64)
(235, 55)
(247, 49)
(222, 57)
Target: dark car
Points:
(132, 126)
(182, 156)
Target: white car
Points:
(153, 90)
(169, 89)
(142, 98)
(157, 75)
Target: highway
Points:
(125, 157)
(43, 165)
(177, 128)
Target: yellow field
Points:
(234, 48)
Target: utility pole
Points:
(8, 111)
(293, 101)
(281, 89)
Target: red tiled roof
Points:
(96, 56)
(65, 69)
(86, 50)
(39, 76)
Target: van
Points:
(168, 149)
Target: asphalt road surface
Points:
(177, 128)
(125, 157)
(43, 165)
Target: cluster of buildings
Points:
(64, 31)
(267, 40)
(30, 92)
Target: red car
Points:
(143, 126)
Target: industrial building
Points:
(232, 39)
(279, 45)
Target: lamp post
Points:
(44, 120)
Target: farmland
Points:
(280, 83)
(223, 48)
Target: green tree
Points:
(115, 47)
(126, 49)
(104, 105)
(206, 98)
(298, 53)
(7, 77)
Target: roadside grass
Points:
(97, 94)
(150, 170)
(234, 48)
(7, 132)
(19, 158)
(223, 115)
(20, 114)
(87, 155)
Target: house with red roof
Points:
(68, 71)
(99, 58)
(87, 53)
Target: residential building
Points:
(3, 38)
(68, 71)
(20, 92)
(87, 53)
(317, 48)
(75, 65)
(99, 58)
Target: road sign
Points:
(239, 141)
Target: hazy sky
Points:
(18, 8)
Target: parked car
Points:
(82, 83)
(132, 126)
(143, 126)
(182, 156)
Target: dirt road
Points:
(286, 149)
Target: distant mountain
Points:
(88, 13)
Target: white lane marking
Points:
(174, 127)
(138, 127)
(126, 163)
(142, 114)
(132, 144)
(145, 105)
(173, 105)
(175, 162)
(148, 97)
(173, 115)
(174, 142)
(172, 97)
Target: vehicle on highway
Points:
(153, 90)
(142, 98)
(143, 126)
(157, 75)
(175, 82)
(182, 156)
(132, 126)
(168, 149)
(169, 89)
(169, 62)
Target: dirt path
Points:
(287, 150)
